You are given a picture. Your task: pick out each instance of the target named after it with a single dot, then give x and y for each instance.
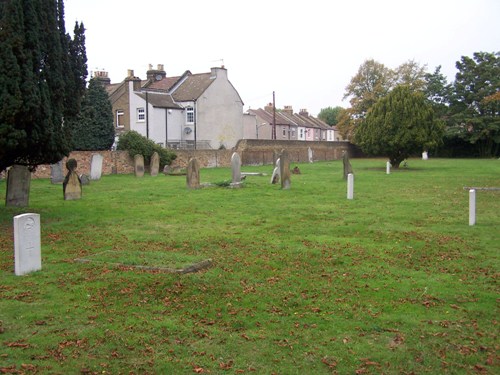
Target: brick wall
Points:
(252, 152)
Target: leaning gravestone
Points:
(236, 168)
(27, 249)
(96, 167)
(85, 179)
(154, 165)
(285, 170)
(72, 186)
(18, 186)
(310, 155)
(56, 173)
(193, 174)
(275, 177)
(347, 165)
(139, 165)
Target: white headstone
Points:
(425, 155)
(310, 154)
(96, 167)
(388, 168)
(472, 207)
(236, 168)
(350, 186)
(27, 244)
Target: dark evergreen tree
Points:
(34, 63)
(399, 125)
(93, 128)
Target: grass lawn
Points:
(303, 281)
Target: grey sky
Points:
(305, 51)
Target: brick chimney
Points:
(269, 107)
(156, 74)
(304, 112)
(288, 109)
(102, 76)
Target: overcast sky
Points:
(305, 51)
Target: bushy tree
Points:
(34, 67)
(475, 106)
(399, 125)
(135, 144)
(93, 128)
(330, 115)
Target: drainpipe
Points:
(195, 120)
(166, 127)
(147, 116)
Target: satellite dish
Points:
(188, 130)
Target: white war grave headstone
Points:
(388, 167)
(96, 167)
(350, 186)
(236, 168)
(27, 244)
(425, 155)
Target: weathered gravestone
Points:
(27, 245)
(72, 186)
(85, 179)
(285, 174)
(139, 165)
(193, 174)
(154, 165)
(56, 173)
(275, 177)
(347, 165)
(236, 168)
(96, 167)
(18, 186)
(310, 154)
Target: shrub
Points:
(135, 143)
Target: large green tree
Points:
(399, 125)
(34, 67)
(93, 128)
(330, 115)
(475, 106)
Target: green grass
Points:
(303, 281)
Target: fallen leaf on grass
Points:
(331, 363)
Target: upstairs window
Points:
(141, 115)
(120, 118)
(190, 115)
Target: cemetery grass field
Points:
(302, 281)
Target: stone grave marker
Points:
(350, 186)
(347, 165)
(275, 177)
(310, 154)
(154, 164)
(85, 179)
(18, 186)
(96, 167)
(425, 155)
(193, 174)
(139, 165)
(236, 168)
(285, 174)
(56, 173)
(27, 245)
(72, 186)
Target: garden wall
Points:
(252, 152)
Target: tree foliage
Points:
(475, 106)
(330, 115)
(135, 143)
(93, 128)
(34, 89)
(399, 125)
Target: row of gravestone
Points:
(154, 165)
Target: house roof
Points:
(268, 117)
(192, 87)
(159, 100)
(290, 118)
(164, 84)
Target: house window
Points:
(284, 132)
(141, 115)
(190, 115)
(301, 133)
(120, 118)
